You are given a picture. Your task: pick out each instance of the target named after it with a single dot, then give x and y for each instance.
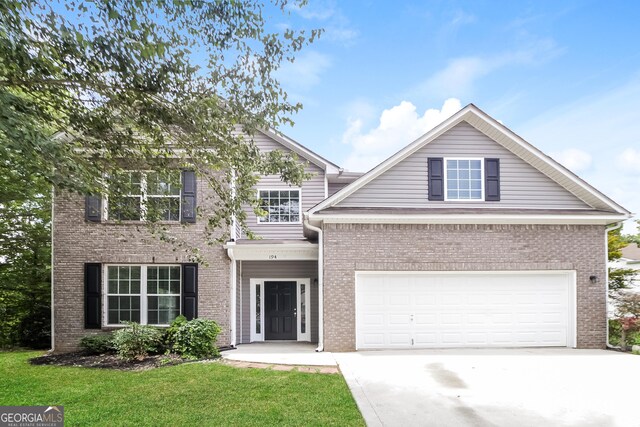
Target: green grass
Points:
(195, 394)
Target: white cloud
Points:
(398, 126)
(336, 25)
(316, 10)
(304, 73)
(460, 74)
(573, 159)
(629, 160)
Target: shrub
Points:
(195, 339)
(136, 341)
(170, 333)
(97, 344)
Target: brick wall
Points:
(77, 242)
(427, 247)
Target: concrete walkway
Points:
(281, 353)
(525, 387)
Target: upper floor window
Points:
(145, 195)
(464, 179)
(282, 206)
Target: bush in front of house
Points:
(193, 339)
(136, 341)
(97, 344)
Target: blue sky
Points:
(563, 75)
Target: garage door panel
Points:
(462, 310)
(399, 319)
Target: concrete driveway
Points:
(529, 387)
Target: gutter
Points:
(233, 305)
(606, 247)
(320, 282)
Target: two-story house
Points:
(468, 237)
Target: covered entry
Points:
(465, 309)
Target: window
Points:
(464, 179)
(282, 206)
(163, 294)
(123, 302)
(145, 294)
(145, 195)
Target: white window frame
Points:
(144, 197)
(446, 182)
(298, 189)
(253, 283)
(143, 293)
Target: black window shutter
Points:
(92, 296)
(436, 178)
(93, 208)
(492, 180)
(188, 195)
(190, 291)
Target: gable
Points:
(312, 192)
(405, 184)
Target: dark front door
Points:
(280, 310)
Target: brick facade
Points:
(76, 242)
(387, 247)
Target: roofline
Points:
(293, 145)
(566, 172)
(463, 114)
(466, 219)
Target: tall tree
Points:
(158, 83)
(619, 278)
(25, 255)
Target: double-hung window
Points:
(148, 294)
(281, 206)
(464, 179)
(145, 195)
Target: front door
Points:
(280, 311)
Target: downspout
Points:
(606, 247)
(233, 272)
(233, 293)
(320, 283)
(53, 323)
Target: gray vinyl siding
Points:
(274, 270)
(334, 187)
(312, 193)
(406, 184)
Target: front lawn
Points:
(184, 395)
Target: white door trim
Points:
(572, 326)
(256, 283)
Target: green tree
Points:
(25, 255)
(155, 83)
(619, 278)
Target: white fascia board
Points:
(289, 143)
(472, 115)
(274, 252)
(467, 219)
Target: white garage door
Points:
(488, 309)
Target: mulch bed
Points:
(108, 361)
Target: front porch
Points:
(280, 353)
(275, 289)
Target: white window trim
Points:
(299, 189)
(144, 200)
(446, 197)
(143, 293)
(252, 312)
